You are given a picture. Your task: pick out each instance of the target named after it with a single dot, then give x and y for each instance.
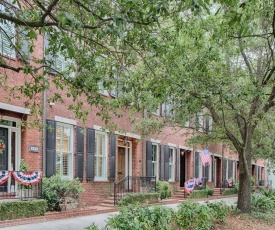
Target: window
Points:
(64, 147)
(155, 160)
(63, 64)
(198, 165)
(100, 156)
(7, 36)
(171, 164)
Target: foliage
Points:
(191, 215)
(253, 181)
(130, 199)
(262, 203)
(163, 189)
(136, 218)
(57, 189)
(210, 192)
(22, 209)
(196, 194)
(229, 191)
(219, 210)
(92, 227)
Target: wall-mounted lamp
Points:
(181, 152)
(125, 141)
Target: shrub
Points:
(57, 190)
(191, 215)
(210, 192)
(219, 210)
(136, 218)
(22, 209)
(196, 194)
(92, 227)
(262, 203)
(134, 198)
(228, 192)
(163, 189)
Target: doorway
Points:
(124, 161)
(182, 169)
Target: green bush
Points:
(262, 203)
(136, 218)
(163, 189)
(219, 210)
(196, 194)
(134, 198)
(191, 215)
(22, 209)
(210, 192)
(57, 190)
(229, 191)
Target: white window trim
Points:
(173, 164)
(71, 165)
(65, 120)
(104, 177)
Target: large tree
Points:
(223, 63)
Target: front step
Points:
(217, 192)
(108, 202)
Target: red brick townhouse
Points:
(97, 157)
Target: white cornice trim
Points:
(65, 120)
(14, 108)
(128, 134)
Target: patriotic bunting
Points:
(189, 186)
(4, 176)
(27, 178)
(199, 181)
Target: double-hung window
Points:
(7, 36)
(155, 160)
(171, 164)
(100, 156)
(64, 150)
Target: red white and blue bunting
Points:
(189, 186)
(199, 181)
(4, 176)
(27, 178)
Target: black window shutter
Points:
(161, 175)
(224, 168)
(50, 148)
(24, 53)
(177, 165)
(166, 162)
(51, 60)
(149, 172)
(197, 165)
(113, 157)
(90, 154)
(79, 152)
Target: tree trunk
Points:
(244, 194)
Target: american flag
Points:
(205, 157)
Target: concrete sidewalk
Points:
(77, 223)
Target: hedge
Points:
(22, 209)
(229, 191)
(196, 194)
(129, 198)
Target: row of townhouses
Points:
(88, 151)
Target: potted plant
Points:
(25, 191)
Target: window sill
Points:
(101, 180)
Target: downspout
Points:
(144, 146)
(44, 120)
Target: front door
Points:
(4, 155)
(182, 170)
(121, 163)
(215, 173)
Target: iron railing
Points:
(133, 184)
(13, 190)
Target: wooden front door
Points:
(121, 164)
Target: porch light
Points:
(181, 152)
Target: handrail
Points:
(133, 184)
